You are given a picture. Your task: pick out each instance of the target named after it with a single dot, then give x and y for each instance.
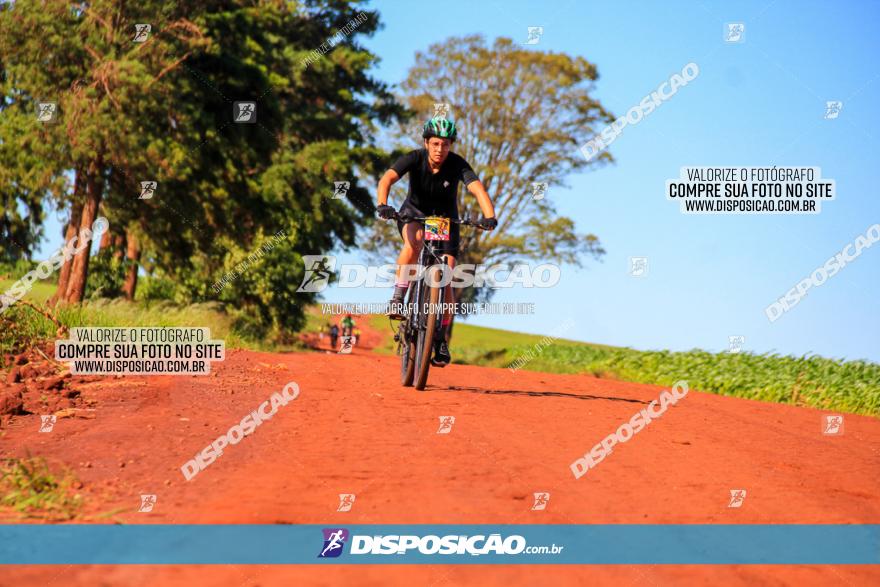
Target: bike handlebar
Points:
(404, 218)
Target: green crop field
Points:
(829, 384)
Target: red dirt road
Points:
(353, 429)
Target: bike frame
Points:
(412, 332)
(427, 258)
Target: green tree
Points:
(25, 183)
(104, 86)
(311, 120)
(162, 110)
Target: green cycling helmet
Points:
(440, 127)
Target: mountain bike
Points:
(422, 308)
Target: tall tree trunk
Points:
(118, 246)
(80, 270)
(134, 257)
(105, 241)
(72, 228)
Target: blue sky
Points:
(758, 103)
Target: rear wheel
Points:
(426, 333)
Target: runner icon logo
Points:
(334, 540)
(541, 500)
(318, 269)
(346, 500)
(147, 503)
(737, 497)
(340, 188)
(244, 112)
(535, 33)
(46, 111)
(638, 266)
(148, 188)
(47, 423)
(142, 33)
(347, 344)
(538, 190)
(441, 110)
(832, 425)
(736, 343)
(832, 109)
(446, 423)
(734, 32)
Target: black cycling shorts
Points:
(449, 247)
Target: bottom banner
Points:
(30, 544)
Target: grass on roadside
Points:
(21, 327)
(31, 490)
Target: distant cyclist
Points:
(334, 335)
(434, 174)
(347, 325)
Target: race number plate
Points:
(436, 229)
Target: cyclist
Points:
(434, 174)
(334, 334)
(347, 325)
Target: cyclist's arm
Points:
(403, 164)
(389, 179)
(476, 188)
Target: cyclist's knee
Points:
(413, 234)
(412, 246)
(411, 250)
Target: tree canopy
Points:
(163, 109)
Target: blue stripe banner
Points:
(31, 544)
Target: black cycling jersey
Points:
(434, 193)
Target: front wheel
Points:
(426, 332)
(407, 352)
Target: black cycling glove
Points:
(488, 223)
(385, 211)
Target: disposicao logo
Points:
(432, 544)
